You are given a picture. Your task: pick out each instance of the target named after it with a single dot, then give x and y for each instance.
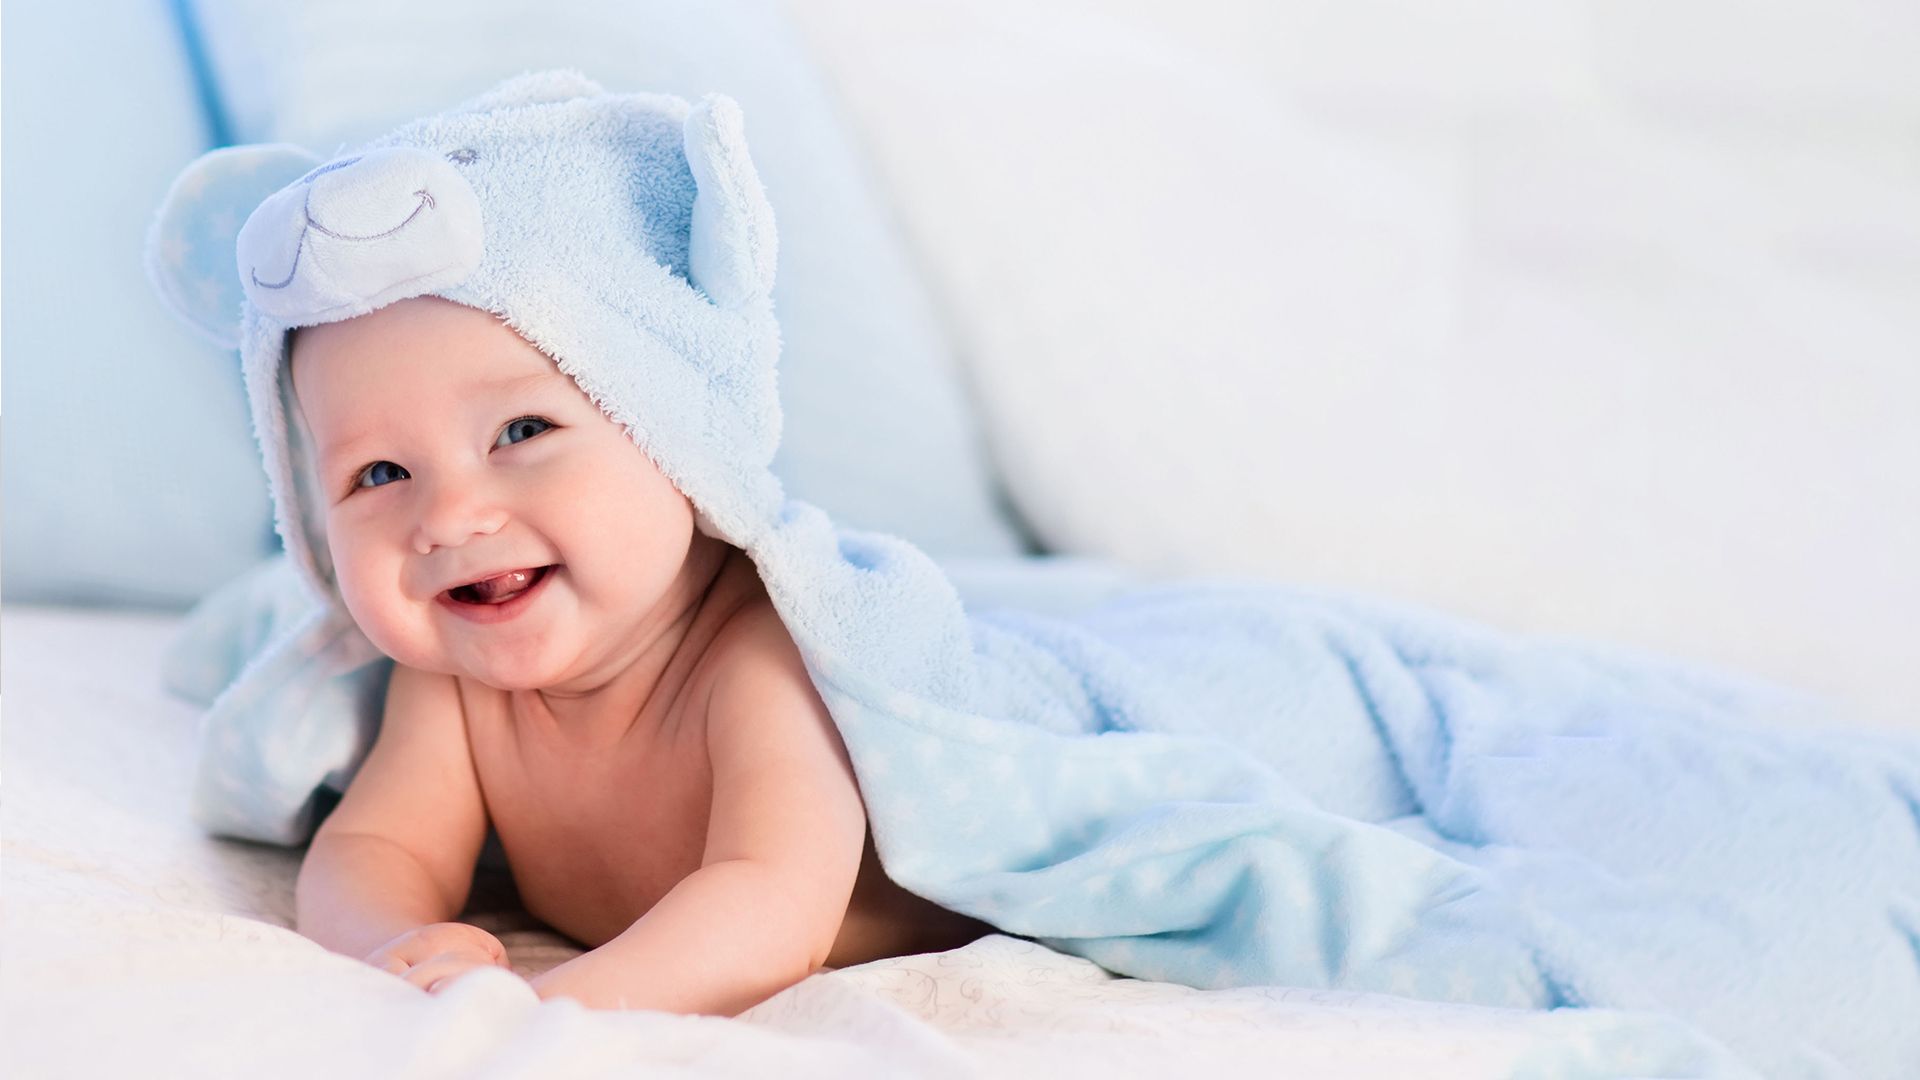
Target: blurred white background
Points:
(1587, 318)
(1597, 318)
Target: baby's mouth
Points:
(500, 588)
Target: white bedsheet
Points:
(130, 943)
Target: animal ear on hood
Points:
(732, 249)
(191, 243)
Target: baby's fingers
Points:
(445, 981)
(439, 969)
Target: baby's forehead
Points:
(370, 376)
(421, 341)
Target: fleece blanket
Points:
(1217, 784)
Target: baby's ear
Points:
(190, 247)
(733, 246)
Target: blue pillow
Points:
(130, 473)
(878, 430)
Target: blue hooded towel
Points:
(1219, 784)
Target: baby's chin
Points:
(501, 668)
(505, 672)
(508, 684)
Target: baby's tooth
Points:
(511, 581)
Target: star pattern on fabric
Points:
(209, 293)
(1460, 985)
(1120, 953)
(1130, 772)
(908, 812)
(875, 765)
(1246, 921)
(194, 183)
(1151, 877)
(174, 250)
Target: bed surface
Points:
(131, 942)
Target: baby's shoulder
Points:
(750, 642)
(755, 668)
(748, 635)
(424, 698)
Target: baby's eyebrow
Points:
(512, 384)
(520, 382)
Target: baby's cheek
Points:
(371, 591)
(625, 505)
(362, 605)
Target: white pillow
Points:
(878, 430)
(1593, 320)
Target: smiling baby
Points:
(580, 667)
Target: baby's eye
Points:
(521, 430)
(380, 472)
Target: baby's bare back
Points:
(596, 835)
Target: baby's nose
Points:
(453, 515)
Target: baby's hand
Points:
(429, 956)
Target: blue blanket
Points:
(1229, 784)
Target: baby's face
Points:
(449, 449)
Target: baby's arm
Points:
(395, 859)
(784, 840)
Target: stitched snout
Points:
(361, 232)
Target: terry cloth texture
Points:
(1218, 784)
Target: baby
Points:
(582, 668)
